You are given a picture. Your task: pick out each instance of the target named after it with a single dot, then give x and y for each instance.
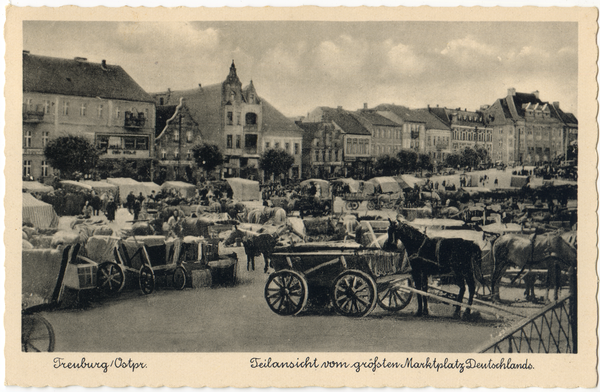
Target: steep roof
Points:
(51, 75)
(376, 119)
(567, 118)
(440, 113)
(275, 123)
(431, 121)
(345, 121)
(204, 105)
(163, 113)
(403, 112)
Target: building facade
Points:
(239, 122)
(322, 154)
(413, 125)
(386, 135)
(528, 130)
(176, 134)
(347, 132)
(468, 129)
(97, 101)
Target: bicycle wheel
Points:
(37, 334)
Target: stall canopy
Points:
(185, 190)
(38, 213)
(518, 182)
(34, 186)
(244, 190)
(101, 186)
(354, 185)
(127, 185)
(75, 186)
(411, 180)
(151, 186)
(324, 185)
(387, 184)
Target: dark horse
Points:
(435, 256)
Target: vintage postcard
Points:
(290, 197)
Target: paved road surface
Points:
(234, 319)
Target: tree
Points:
(71, 155)
(453, 160)
(408, 160)
(207, 156)
(275, 161)
(387, 165)
(424, 162)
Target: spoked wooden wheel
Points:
(354, 293)
(391, 297)
(352, 205)
(286, 292)
(146, 279)
(37, 334)
(110, 278)
(371, 205)
(179, 278)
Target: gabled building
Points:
(176, 134)
(468, 129)
(438, 143)
(386, 135)
(240, 122)
(355, 139)
(528, 130)
(98, 101)
(322, 152)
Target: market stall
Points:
(183, 188)
(38, 213)
(127, 185)
(244, 190)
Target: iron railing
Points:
(551, 330)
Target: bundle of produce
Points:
(319, 226)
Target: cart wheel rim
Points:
(286, 292)
(371, 205)
(37, 334)
(146, 280)
(354, 294)
(179, 278)
(392, 298)
(110, 278)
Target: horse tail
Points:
(476, 258)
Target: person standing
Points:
(96, 203)
(137, 207)
(130, 200)
(111, 208)
(87, 211)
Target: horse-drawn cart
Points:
(355, 279)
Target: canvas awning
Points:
(186, 190)
(387, 184)
(34, 186)
(244, 190)
(353, 184)
(151, 186)
(127, 185)
(101, 186)
(74, 185)
(38, 213)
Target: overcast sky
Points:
(297, 66)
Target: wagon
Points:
(355, 279)
(142, 258)
(43, 272)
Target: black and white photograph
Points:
(402, 192)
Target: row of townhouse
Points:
(517, 129)
(105, 105)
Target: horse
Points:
(434, 256)
(257, 245)
(549, 251)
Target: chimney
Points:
(365, 106)
(26, 52)
(80, 59)
(200, 85)
(511, 92)
(537, 94)
(104, 65)
(555, 104)
(339, 108)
